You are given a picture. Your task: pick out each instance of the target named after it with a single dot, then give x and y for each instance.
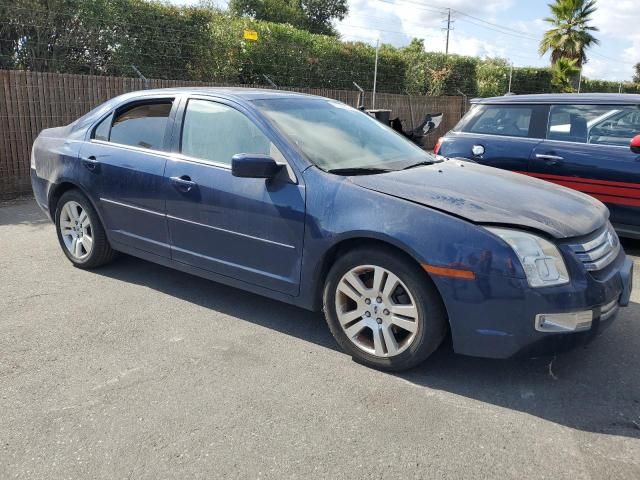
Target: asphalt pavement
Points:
(139, 371)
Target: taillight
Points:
(436, 149)
(33, 156)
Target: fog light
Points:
(564, 322)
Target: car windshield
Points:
(340, 138)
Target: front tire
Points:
(80, 232)
(383, 309)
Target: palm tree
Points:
(570, 35)
(563, 73)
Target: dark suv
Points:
(581, 141)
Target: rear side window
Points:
(141, 125)
(505, 120)
(101, 132)
(595, 124)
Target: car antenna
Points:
(360, 101)
(144, 79)
(269, 81)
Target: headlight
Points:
(541, 260)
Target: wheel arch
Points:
(59, 189)
(348, 244)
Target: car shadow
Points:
(594, 388)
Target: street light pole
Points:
(375, 75)
(580, 80)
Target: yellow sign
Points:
(251, 35)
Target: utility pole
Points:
(446, 50)
(510, 76)
(580, 80)
(144, 79)
(375, 75)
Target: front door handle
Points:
(183, 183)
(550, 159)
(91, 163)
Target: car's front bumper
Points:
(495, 316)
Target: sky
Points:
(509, 29)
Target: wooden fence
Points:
(32, 101)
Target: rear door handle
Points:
(183, 183)
(552, 159)
(91, 163)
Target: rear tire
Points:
(383, 309)
(80, 232)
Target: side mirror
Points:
(635, 144)
(254, 165)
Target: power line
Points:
(521, 36)
(502, 27)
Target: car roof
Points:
(232, 93)
(564, 98)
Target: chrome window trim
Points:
(541, 139)
(590, 144)
(153, 212)
(498, 136)
(180, 157)
(159, 153)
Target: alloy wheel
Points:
(376, 310)
(76, 230)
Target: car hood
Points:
(488, 195)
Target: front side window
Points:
(505, 120)
(215, 132)
(595, 124)
(141, 125)
(334, 136)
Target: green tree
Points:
(570, 35)
(636, 73)
(314, 16)
(563, 72)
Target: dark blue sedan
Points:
(309, 201)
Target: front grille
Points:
(599, 251)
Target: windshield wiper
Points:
(359, 171)
(421, 163)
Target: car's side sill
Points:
(183, 267)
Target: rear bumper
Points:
(495, 316)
